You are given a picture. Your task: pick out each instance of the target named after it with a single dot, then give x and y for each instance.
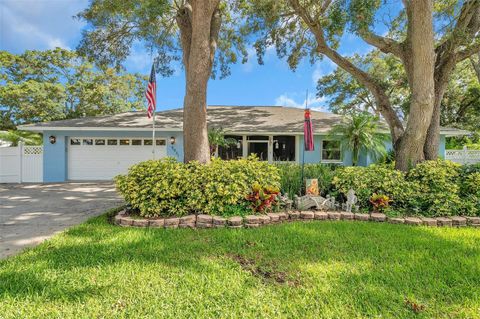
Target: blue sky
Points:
(45, 24)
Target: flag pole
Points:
(303, 152)
(153, 117)
(153, 131)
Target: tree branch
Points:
(468, 52)
(476, 65)
(184, 22)
(386, 45)
(214, 30)
(361, 76)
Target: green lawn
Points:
(296, 270)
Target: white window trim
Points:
(330, 161)
(245, 142)
(106, 138)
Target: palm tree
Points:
(361, 131)
(15, 137)
(216, 138)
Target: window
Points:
(99, 142)
(75, 141)
(136, 142)
(112, 142)
(258, 145)
(124, 142)
(160, 142)
(331, 151)
(87, 141)
(233, 151)
(284, 148)
(147, 142)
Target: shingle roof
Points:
(259, 119)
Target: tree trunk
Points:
(467, 25)
(199, 22)
(432, 142)
(419, 65)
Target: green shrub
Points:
(291, 175)
(436, 188)
(223, 183)
(167, 187)
(471, 184)
(242, 209)
(365, 181)
(157, 188)
(432, 188)
(469, 169)
(470, 192)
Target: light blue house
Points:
(98, 148)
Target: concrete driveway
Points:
(31, 213)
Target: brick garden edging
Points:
(253, 221)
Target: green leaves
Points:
(57, 84)
(432, 188)
(361, 131)
(15, 137)
(116, 26)
(167, 187)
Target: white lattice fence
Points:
(21, 164)
(464, 156)
(32, 164)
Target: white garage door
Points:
(104, 158)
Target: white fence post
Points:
(20, 157)
(465, 154)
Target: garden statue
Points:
(329, 203)
(285, 202)
(308, 202)
(351, 200)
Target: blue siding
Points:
(315, 156)
(54, 158)
(441, 149)
(55, 155)
(389, 146)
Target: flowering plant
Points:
(379, 202)
(263, 198)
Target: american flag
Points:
(150, 94)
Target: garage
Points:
(102, 158)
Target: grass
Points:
(296, 270)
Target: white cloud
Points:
(39, 25)
(25, 30)
(317, 104)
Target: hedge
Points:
(166, 187)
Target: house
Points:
(98, 148)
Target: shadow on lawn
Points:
(383, 261)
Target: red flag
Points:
(308, 132)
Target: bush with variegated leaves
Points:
(167, 187)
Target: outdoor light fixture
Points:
(239, 144)
(52, 139)
(276, 145)
(172, 140)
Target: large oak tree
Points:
(427, 40)
(202, 34)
